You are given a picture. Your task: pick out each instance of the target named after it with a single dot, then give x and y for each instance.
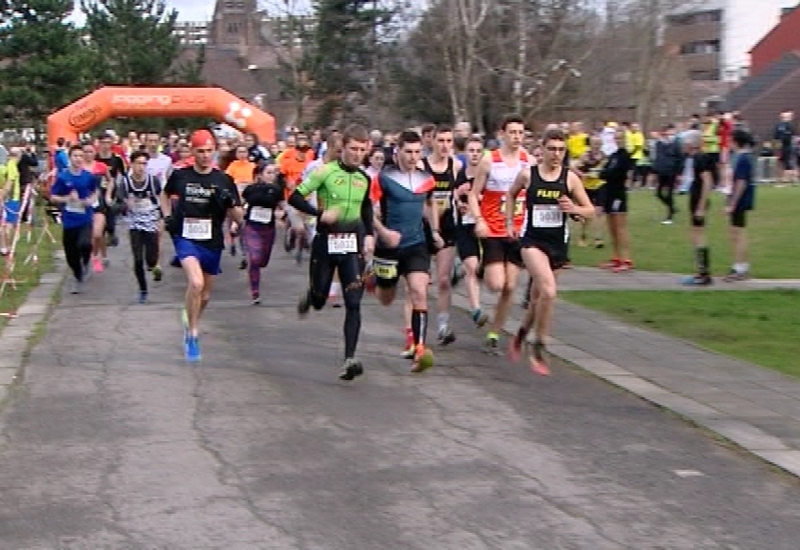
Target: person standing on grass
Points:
(615, 174)
(740, 201)
(699, 202)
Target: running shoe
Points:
(445, 336)
(142, 297)
(611, 264)
(479, 318)
(625, 265)
(492, 345)
(515, 348)
(537, 362)
(97, 265)
(697, 280)
(192, 349)
(351, 370)
(423, 360)
(408, 350)
(304, 304)
(157, 273)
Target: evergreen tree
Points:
(345, 51)
(132, 41)
(45, 63)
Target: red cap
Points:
(202, 138)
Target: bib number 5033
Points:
(196, 229)
(342, 243)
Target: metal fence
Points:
(767, 170)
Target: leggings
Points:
(350, 268)
(144, 245)
(77, 243)
(257, 241)
(664, 192)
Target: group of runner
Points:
(374, 226)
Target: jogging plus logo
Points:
(238, 115)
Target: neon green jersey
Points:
(338, 186)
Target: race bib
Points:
(442, 199)
(384, 269)
(96, 204)
(547, 215)
(196, 229)
(519, 205)
(75, 207)
(259, 214)
(342, 243)
(468, 219)
(142, 205)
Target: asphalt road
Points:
(112, 441)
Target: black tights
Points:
(666, 186)
(350, 268)
(77, 243)
(144, 245)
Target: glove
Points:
(171, 225)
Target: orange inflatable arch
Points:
(113, 101)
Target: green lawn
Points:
(774, 231)
(27, 276)
(759, 326)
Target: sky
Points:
(188, 10)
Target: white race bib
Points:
(196, 229)
(468, 219)
(95, 204)
(142, 205)
(547, 215)
(259, 214)
(75, 207)
(442, 199)
(342, 243)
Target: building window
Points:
(679, 109)
(664, 108)
(712, 74)
(700, 47)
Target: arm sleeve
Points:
(169, 188)
(58, 188)
(298, 201)
(367, 215)
(312, 182)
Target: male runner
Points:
(75, 190)
(501, 254)
(205, 197)
(444, 168)
(699, 202)
(402, 193)
(344, 230)
(141, 191)
(467, 244)
(116, 169)
(550, 187)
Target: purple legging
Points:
(258, 241)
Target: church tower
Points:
(235, 25)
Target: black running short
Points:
(467, 243)
(501, 250)
(391, 264)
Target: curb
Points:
(16, 338)
(748, 437)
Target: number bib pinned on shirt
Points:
(384, 269)
(519, 205)
(75, 207)
(342, 243)
(259, 214)
(142, 205)
(196, 229)
(547, 215)
(442, 199)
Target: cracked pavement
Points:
(113, 441)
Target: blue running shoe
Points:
(193, 349)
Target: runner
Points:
(242, 171)
(740, 201)
(116, 169)
(141, 191)
(444, 168)
(205, 196)
(75, 190)
(551, 188)
(263, 205)
(402, 193)
(590, 165)
(104, 197)
(344, 230)
(467, 244)
(699, 202)
(615, 174)
(501, 254)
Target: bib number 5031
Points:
(342, 243)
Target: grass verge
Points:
(772, 232)
(759, 326)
